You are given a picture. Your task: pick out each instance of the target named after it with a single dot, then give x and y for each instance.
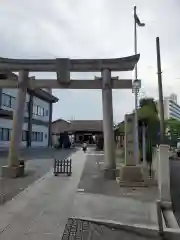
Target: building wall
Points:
(60, 126)
(166, 108)
(8, 100)
(40, 120)
(39, 134)
(173, 97)
(55, 139)
(44, 141)
(171, 107)
(174, 110)
(40, 109)
(6, 125)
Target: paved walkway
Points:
(104, 199)
(42, 210)
(39, 162)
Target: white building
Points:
(37, 117)
(171, 107)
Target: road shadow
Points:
(175, 187)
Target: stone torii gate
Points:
(63, 67)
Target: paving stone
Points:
(86, 230)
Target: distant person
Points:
(84, 146)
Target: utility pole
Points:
(135, 88)
(160, 89)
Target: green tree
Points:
(173, 130)
(148, 116)
(148, 102)
(120, 127)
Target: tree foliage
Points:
(173, 129)
(120, 127)
(150, 103)
(148, 115)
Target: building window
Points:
(34, 109)
(47, 112)
(34, 136)
(8, 101)
(37, 110)
(41, 137)
(4, 134)
(24, 135)
(42, 111)
(45, 136)
(26, 106)
(37, 136)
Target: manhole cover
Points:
(76, 229)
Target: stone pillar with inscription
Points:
(129, 140)
(130, 172)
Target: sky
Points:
(95, 29)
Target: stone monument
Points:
(130, 172)
(129, 139)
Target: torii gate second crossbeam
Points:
(63, 67)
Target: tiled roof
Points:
(60, 120)
(86, 125)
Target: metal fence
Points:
(63, 166)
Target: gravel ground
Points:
(38, 163)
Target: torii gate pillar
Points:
(107, 106)
(14, 169)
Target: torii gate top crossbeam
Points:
(75, 65)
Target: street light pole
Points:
(136, 89)
(135, 39)
(136, 135)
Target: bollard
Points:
(159, 216)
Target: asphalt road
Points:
(175, 187)
(39, 162)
